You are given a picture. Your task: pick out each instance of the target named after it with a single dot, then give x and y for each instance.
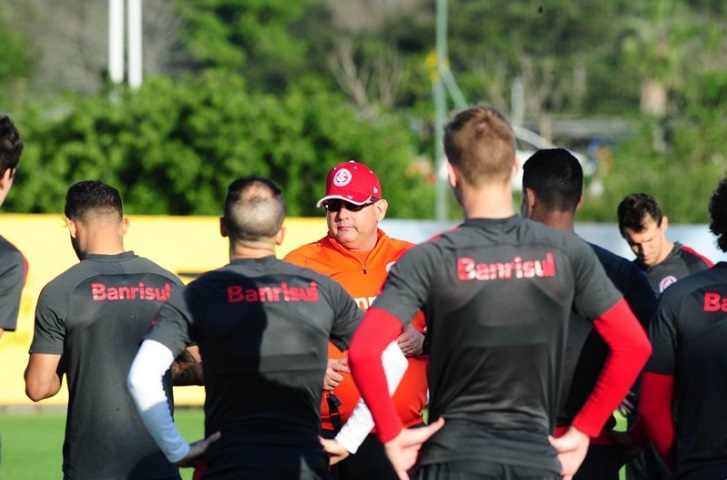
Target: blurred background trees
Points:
(288, 89)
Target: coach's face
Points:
(355, 227)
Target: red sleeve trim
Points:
(629, 351)
(377, 330)
(655, 401)
(707, 261)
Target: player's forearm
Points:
(655, 412)
(360, 423)
(629, 351)
(378, 329)
(38, 389)
(43, 376)
(146, 389)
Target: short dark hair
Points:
(92, 197)
(633, 209)
(11, 147)
(254, 209)
(480, 142)
(718, 214)
(556, 177)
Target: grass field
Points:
(32, 442)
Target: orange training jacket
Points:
(364, 281)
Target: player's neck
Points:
(558, 220)
(105, 242)
(666, 249)
(493, 201)
(251, 249)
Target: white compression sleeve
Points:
(146, 389)
(360, 423)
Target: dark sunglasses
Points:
(336, 205)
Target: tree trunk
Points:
(653, 97)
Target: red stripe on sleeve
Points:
(706, 261)
(655, 403)
(629, 351)
(377, 330)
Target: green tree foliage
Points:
(682, 178)
(250, 37)
(289, 88)
(17, 60)
(173, 148)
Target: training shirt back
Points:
(688, 334)
(262, 327)
(363, 280)
(95, 315)
(13, 270)
(497, 297)
(680, 262)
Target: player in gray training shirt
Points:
(89, 323)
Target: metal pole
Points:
(116, 41)
(517, 101)
(440, 111)
(135, 43)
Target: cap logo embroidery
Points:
(342, 178)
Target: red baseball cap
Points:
(353, 182)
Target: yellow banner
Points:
(186, 246)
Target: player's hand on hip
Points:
(334, 373)
(197, 449)
(411, 341)
(336, 452)
(403, 449)
(571, 449)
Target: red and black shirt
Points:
(688, 334)
(497, 296)
(680, 262)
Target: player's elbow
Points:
(135, 381)
(37, 391)
(39, 386)
(642, 349)
(34, 395)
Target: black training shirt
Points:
(262, 326)
(689, 334)
(497, 296)
(680, 262)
